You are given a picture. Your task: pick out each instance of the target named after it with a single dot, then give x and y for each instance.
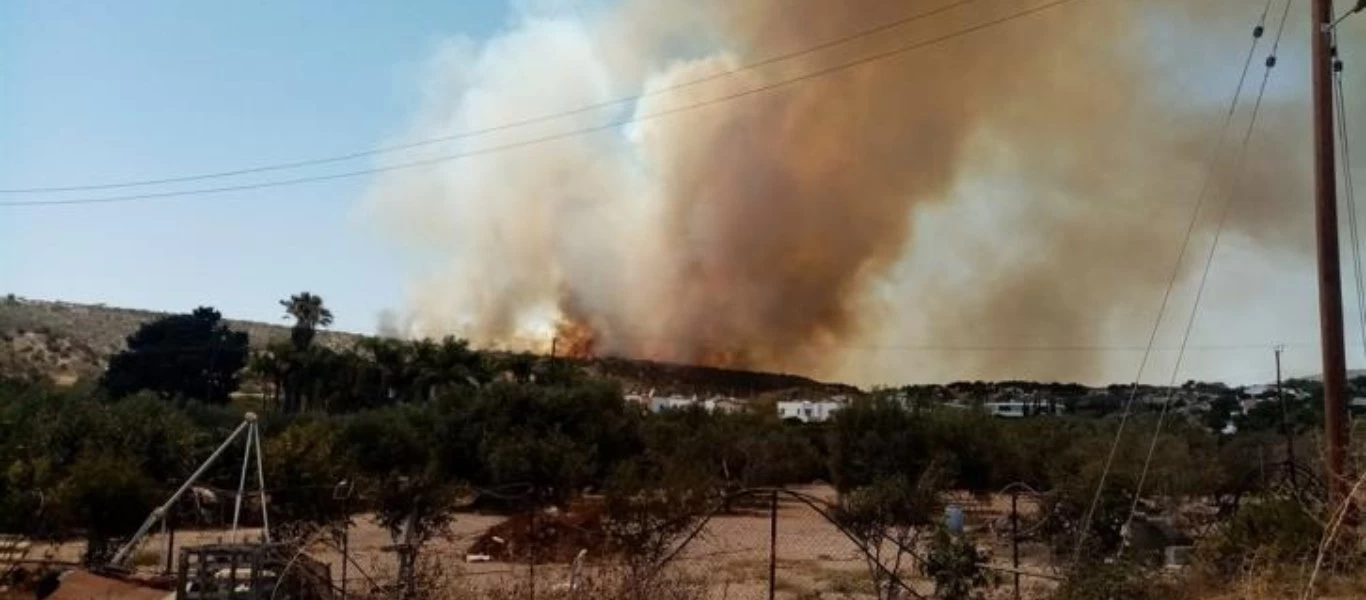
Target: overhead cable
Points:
(1213, 161)
(312, 162)
(558, 136)
(1209, 261)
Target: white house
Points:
(722, 404)
(1018, 410)
(1009, 410)
(807, 411)
(659, 404)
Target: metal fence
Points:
(757, 544)
(753, 544)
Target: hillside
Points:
(67, 341)
(642, 375)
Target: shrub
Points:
(954, 563)
(1120, 580)
(1269, 532)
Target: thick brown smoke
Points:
(943, 212)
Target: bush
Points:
(1115, 581)
(875, 440)
(1270, 532)
(107, 497)
(887, 518)
(302, 464)
(954, 564)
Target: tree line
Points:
(422, 429)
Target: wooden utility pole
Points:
(1329, 267)
(1286, 428)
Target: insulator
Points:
(1271, 61)
(1258, 31)
(1337, 66)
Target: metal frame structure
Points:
(253, 441)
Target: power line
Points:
(1349, 187)
(717, 344)
(1213, 161)
(559, 136)
(1361, 5)
(1209, 262)
(504, 126)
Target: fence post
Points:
(346, 547)
(773, 546)
(1015, 539)
(342, 492)
(531, 569)
(170, 540)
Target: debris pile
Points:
(547, 536)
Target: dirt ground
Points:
(814, 559)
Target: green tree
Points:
(301, 462)
(180, 357)
(554, 439)
(886, 518)
(106, 496)
(309, 314)
(876, 439)
(395, 452)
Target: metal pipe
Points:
(241, 483)
(261, 479)
(160, 511)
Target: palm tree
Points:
(309, 314)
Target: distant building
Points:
(659, 404)
(1019, 410)
(1008, 410)
(1357, 405)
(723, 404)
(808, 411)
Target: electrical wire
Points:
(1213, 161)
(1349, 189)
(714, 343)
(1209, 262)
(1361, 5)
(507, 125)
(563, 135)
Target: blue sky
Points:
(92, 92)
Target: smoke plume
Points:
(1005, 203)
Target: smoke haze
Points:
(1006, 204)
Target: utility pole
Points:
(1329, 267)
(1285, 425)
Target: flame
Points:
(575, 340)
